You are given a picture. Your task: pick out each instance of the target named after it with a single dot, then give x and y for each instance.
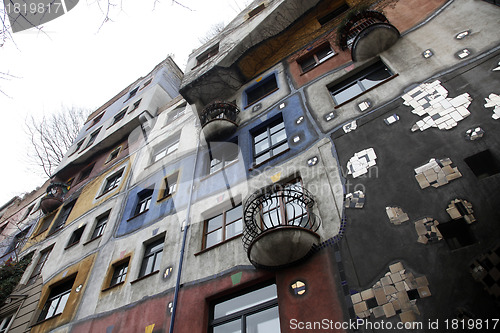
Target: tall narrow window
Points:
(223, 227)
(44, 255)
(75, 237)
(253, 311)
(5, 322)
(135, 105)
(92, 138)
(269, 141)
(45, 223)
(57, 300)
(144, 200)
(261, 89)
(119, 116)
(152, 257)
(100, 225)
(63, 216)
(359, 83)
(132, 93)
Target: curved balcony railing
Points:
(280, 227)
(54, 197)
(366, 34)
(219, 119)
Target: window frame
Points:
(55, 294)
(76, 236)
(100, 226)
(45, 223)
(355, 80)
(144, 198)
(63, 216)
(42, 259)
(119, 116)
(225, 161)
(110, 158)
(165, 146)
(156, 256)
(86, 172)
(93, 136)
(209, 53)
(135, 105)
(6, 321)
(260, 86)
(111, 182)
(223, 227)
(96, 119)
(166, 189)
(132, 93)
(266, 128)
(313, 54)
(117, 275)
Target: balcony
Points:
(219, 120)
(367, 34)
(54, 197)
(280, 228)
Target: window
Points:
(164, 149)
(176, 113)
(45, 224)
(260, 90)
(113, 154)
(316, 57)
(113, 181)
(333, 14)
(170, 185)
(28, 211)
(100, 225)
(252, 312)
(269, 141)
(96, 120)
(152, 257)
(119, 273)
(78, 146)
(85, 173)
(360, 83)
(119, 116)
(147, 83)
(75, 237)
(132, 93)
(223, 227)
(63, 216)
(44, 255)
(222, 155)
(5, 322)
(19, 239)
(207, 54)
(136, 105)
(92, 138)
(256, 10)
(57, 300)
(144, 200)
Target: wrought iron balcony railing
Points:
(281, 209)
(219, 110)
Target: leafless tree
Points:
(51, 136)
(214, 30)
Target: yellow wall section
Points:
(82, 271)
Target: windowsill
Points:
(367, 90)
(218, 244)
(93, 239)
(47, 319)
(266, 161)
(166, 197)
(113, 286)
(141, 213)
(108, 191)
(318, 64)
(260, 99)
(55, 231)
(220, 170)
(39, 233)
(71, 245)
(145, 276)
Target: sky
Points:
(79, 61)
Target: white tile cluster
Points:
(429, 100)
(354, 200)
(350, 126)
(493, 101)
(474, 133)
(436, 173)
(358, 164)
(497, 68)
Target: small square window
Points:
(256, 10)
(113, 154)
(75, 237)
(119, 273)
(147, 83)
(223, 227)
(113, 181)
(96, 120)
(78, 146)
(152, 257)
(92, 138)
(135, 105)
(132, 93)
(143, 201)
(119, 116)
(261, 89)
(100, 225)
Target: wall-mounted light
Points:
(427, 54)
(299, 120)
(330, 116)
(312, 161)
(298, 288)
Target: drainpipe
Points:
(185, 227)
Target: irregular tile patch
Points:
(427, 230)
(485, 269)
(429, 100)
(391, 119)
(354, 200)
(394, 294)
(396, 215)
(473, 134)
(436, 173)
(497, 68)
(350, 126)
(493, 100)
(461, 209)
(358, 164)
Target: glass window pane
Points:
(234, 229)
(155, 247)
(347, 93)
(62, 303)
(261, 146)
(234, 214)
(271, 218)
(245, 301)
(280, 148)
(214, 223)
(266, 321)
(147, 265)
(214, 238)
(231, 327)
(263, 158)
(308, 63)
(157, 261)
(375, 78)
(277, 127)
(294, 211)
(278, 137)
(260, 137)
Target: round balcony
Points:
(280, 228)
(219, 120)
(367, 34)
(54, 197)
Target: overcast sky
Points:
(77, 62)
